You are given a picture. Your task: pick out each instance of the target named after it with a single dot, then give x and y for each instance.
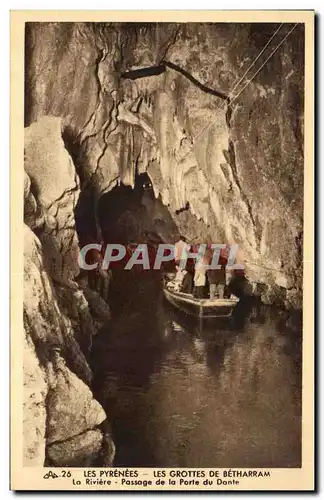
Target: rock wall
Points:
(62, 420)
(227, 173)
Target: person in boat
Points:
(238, 283)
(217, 282)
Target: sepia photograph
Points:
(163, 231)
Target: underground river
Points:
(225, 395)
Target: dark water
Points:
(223, 396)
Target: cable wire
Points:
(265, 62)
(249, 81)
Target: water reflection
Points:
(226, 395)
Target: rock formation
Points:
(57, 320)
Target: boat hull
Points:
(201, 308)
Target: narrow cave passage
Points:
(132, 216)
(129, 215)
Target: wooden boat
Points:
(201, 308)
